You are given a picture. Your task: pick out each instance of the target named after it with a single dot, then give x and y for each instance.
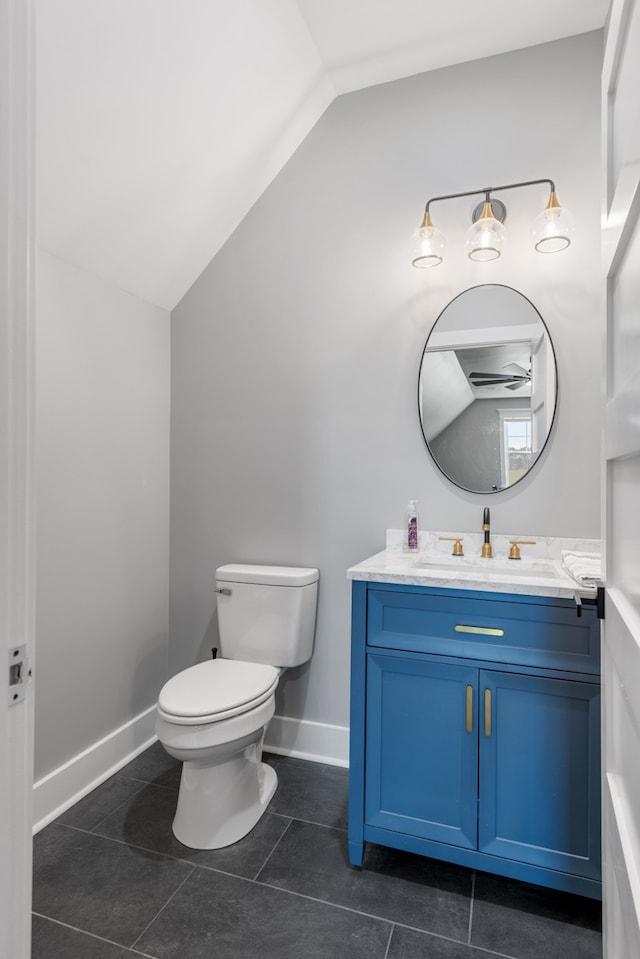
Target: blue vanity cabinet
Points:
(414, 707)
(475, 731)
(539, 787)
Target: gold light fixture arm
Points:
(553, 202)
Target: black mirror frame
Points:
(555, 405)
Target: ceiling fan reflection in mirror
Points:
(515, 380)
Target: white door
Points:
(16, 489)
(621, 628)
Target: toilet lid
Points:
(217, 689)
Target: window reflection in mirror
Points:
(487, 388)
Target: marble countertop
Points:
(538, 573)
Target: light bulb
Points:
(553, 228)
(427, 245)
(485, 237)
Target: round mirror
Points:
(487, 388)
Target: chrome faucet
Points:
(486, 527)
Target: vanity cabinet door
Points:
(422, 748)
(540, 772)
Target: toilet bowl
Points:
(212, 716)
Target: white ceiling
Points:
(160, 122)
(365, 42)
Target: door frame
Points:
(621, 629)
(17, 510)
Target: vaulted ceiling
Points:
(160, 122)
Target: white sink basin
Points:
(487, 567)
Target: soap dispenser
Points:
(412, 526)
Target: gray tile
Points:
(50, 940)
(408, 944)
(272, 758)
(146, 821)
(154, 765)
(100, 886)
(412, 890)
(311, 791)
(527, 921)
(222, 916)
(114, 890)
(100, 803)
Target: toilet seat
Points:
(215, 690)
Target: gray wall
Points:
(468, 450)
(295, 433)
(103, 509)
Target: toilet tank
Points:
(267, 614)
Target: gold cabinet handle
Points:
(481, 630)
(469, 709)
(487, 712)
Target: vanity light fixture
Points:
(552, 229)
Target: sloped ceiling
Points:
(160, 122)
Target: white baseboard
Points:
(319, 742)
(60, 789)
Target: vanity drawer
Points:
(477, 625)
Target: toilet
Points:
(213, 716)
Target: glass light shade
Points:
(485, 237)
(427, 245)
(553, 229)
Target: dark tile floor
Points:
(111, 882)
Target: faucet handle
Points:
(457, 544)
(514, 552)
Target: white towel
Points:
(584, 567)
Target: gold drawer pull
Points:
(487, 712)
(469, 709)
(481, 630)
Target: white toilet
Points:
(213, 716)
